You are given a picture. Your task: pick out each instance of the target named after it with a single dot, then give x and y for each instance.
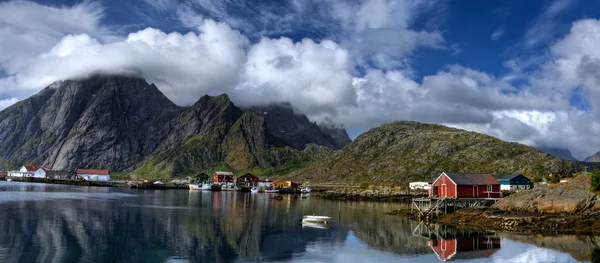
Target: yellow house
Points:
(279, 184)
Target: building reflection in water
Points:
(450, 243)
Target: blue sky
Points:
(521, 71)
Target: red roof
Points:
(93, 171)
(31, 168)
(472, 179)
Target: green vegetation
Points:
(400, 152)
(595, 180)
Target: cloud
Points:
(361, 79)
(378, 32)
(497, 34)
(5, 103)
(543, 27)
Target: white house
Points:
(25, 171)
(264, 183)
(93, 174)
(41, 172)
(419, 185)
(513, 182)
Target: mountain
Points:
(595, 158)
(125, 124)
(293, 128)
(558, 152)
(404, 151)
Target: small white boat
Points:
(271, 191)
(306, 190)
(229, 188)
(254, 190)
(9, 180)
(159, 182)
(316, 219)
(194, 187)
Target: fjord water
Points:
(57, 223)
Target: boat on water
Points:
(316, 219)
(229, 188)
(200, 187)
(254, 190)
(306, 190)
(9, 180)
(271, 191)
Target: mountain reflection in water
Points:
(55, 223)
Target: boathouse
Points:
(458, 185)
(513, 182)
(223, 177)
(93, 174)
(247, 179)
(279, 184)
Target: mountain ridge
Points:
(125, 124)
(402, 151)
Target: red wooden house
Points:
(223, 177)
(247, 179)
(457, 185)
(465, 248)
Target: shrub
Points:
(595, 180)
(554, 179)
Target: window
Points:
(489, 188)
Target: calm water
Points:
(54, 223)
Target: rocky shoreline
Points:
(566, 208)
(382, 194)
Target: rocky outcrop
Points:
(595, 158)
(403, 151)
(570, 198)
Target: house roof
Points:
(31, 168)
(472, 179)
(248, 175)
(223, 173)
(93, 171)
(506, 177)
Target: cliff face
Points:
(404, 151)
(290, 127)
(103, 121)
(125, 124)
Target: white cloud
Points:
(320, 77)
(28, 28)
(185, 66)
(5, 103)
(316, 77)
(497, 34)
(543, 27)
(379, 32)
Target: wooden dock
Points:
(428, 207)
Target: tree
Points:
(595, 180)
